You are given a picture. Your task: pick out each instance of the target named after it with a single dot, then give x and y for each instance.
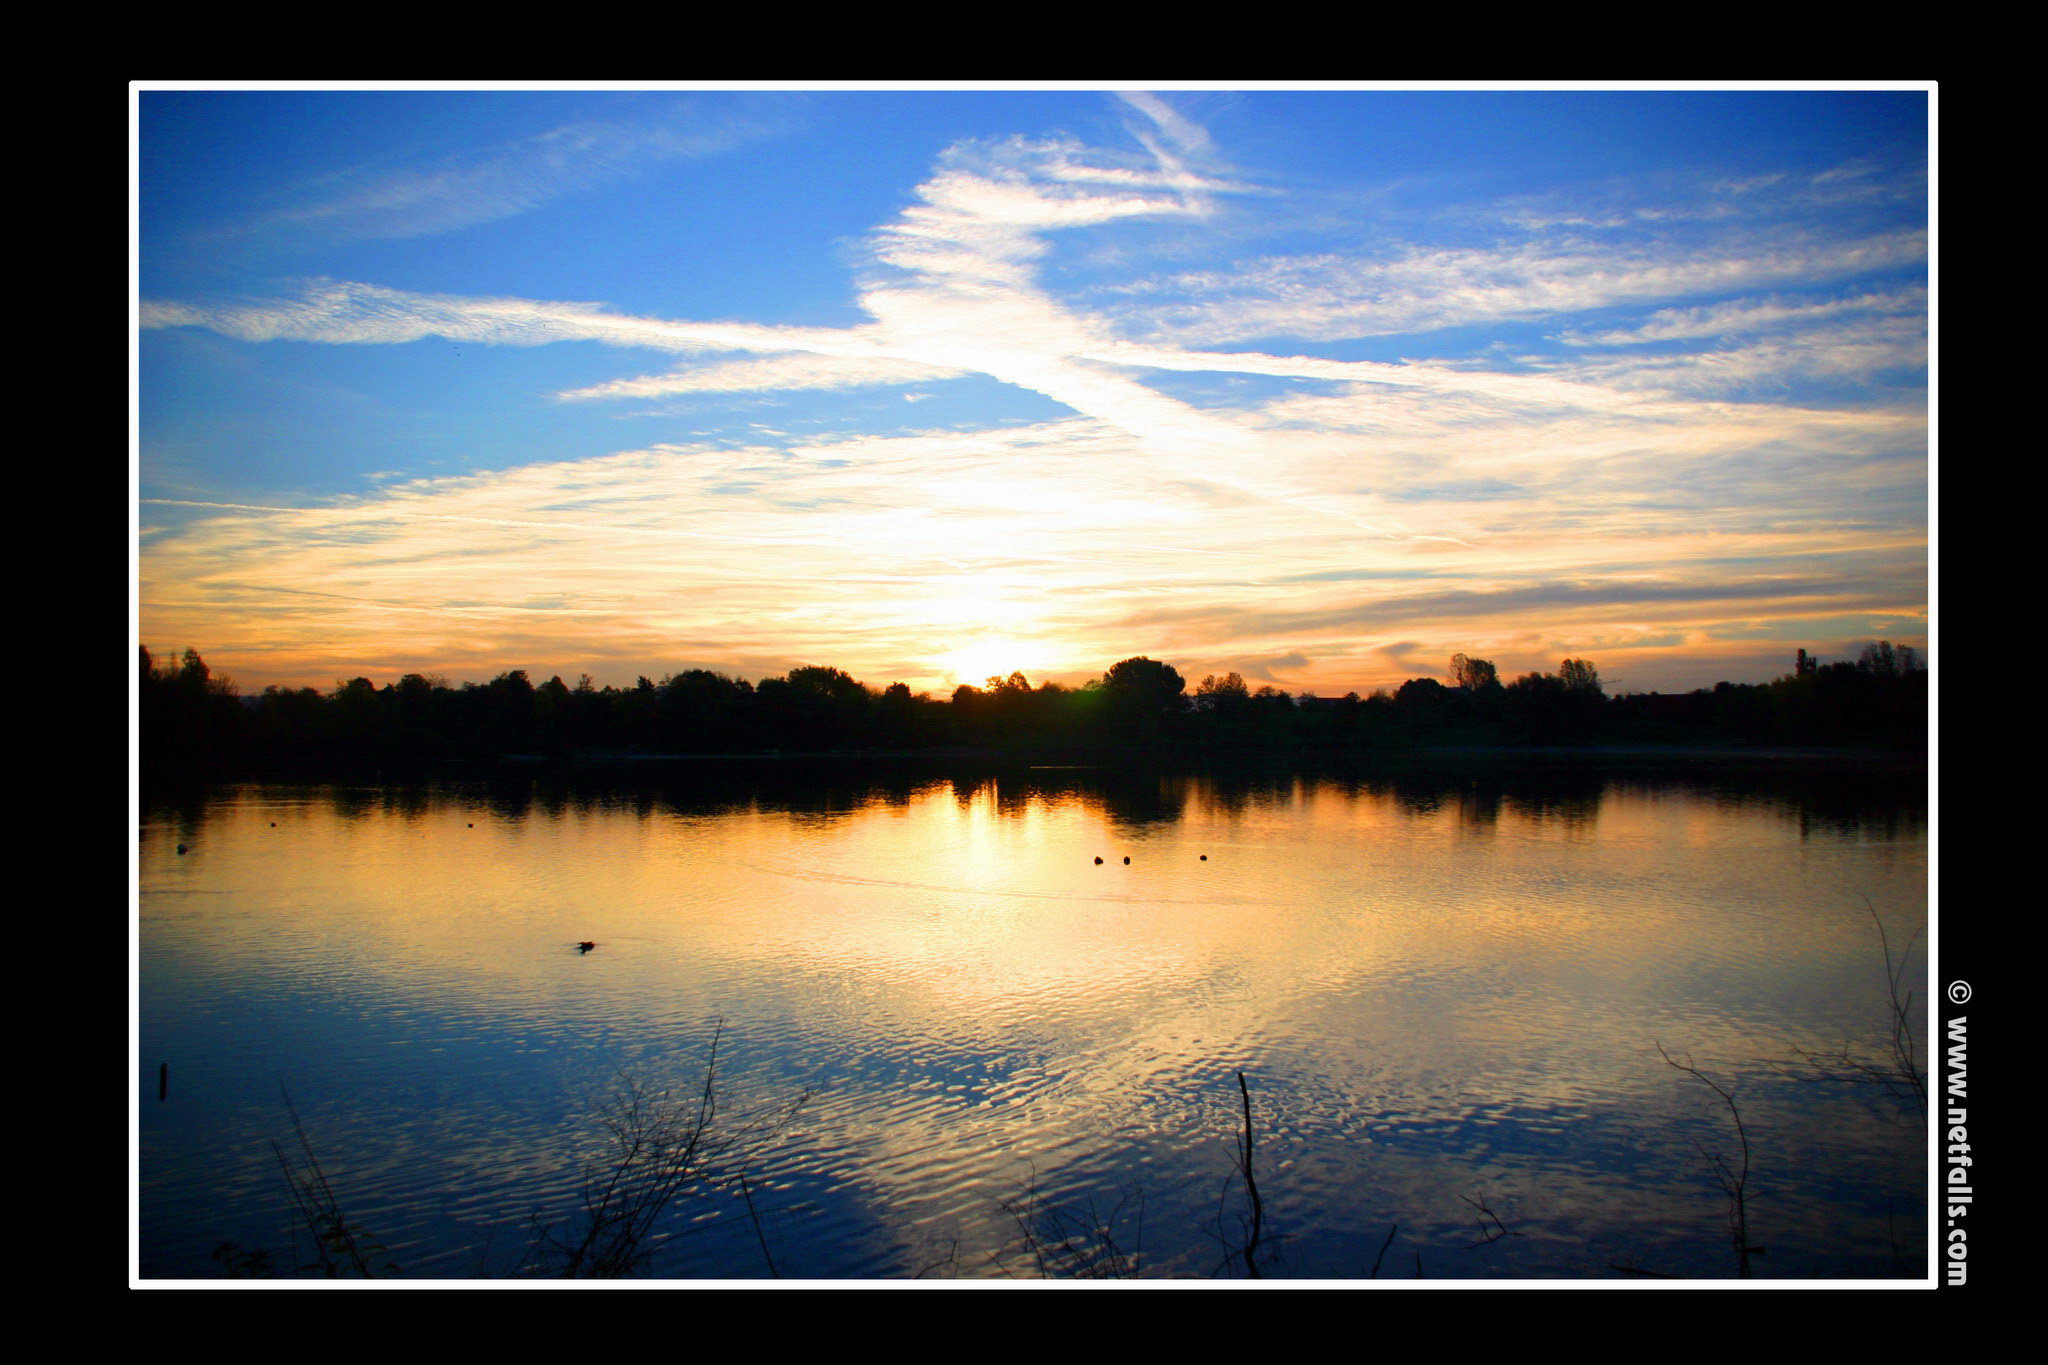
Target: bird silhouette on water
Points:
(585, 946)
(1127, 862)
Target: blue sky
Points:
(1321, 386)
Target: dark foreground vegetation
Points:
(1140, 706)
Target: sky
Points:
(1320, 387)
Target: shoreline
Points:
(1612, 757)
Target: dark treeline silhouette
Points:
(1138, 707)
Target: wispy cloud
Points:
(777, 374)
(1326, 297)
(463, 189)
(1858, 351)
(1748, 315)
(1183, 132)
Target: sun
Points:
(977, 663)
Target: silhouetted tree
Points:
(1472, 674)
(1223, 710)
(1578, 675)
(185, 713)
(1151, 683)
(1140, 699)
(1420, 704)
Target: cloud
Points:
(1859, 352)
(1747, 315)
(1334, 296)
(1559, 600)
(462, 190)
(349, 313)
(1185, 133)
(777, 374)
(1266, 668)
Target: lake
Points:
(964, 1043)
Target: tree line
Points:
(1139, 705)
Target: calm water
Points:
(1445, 990)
